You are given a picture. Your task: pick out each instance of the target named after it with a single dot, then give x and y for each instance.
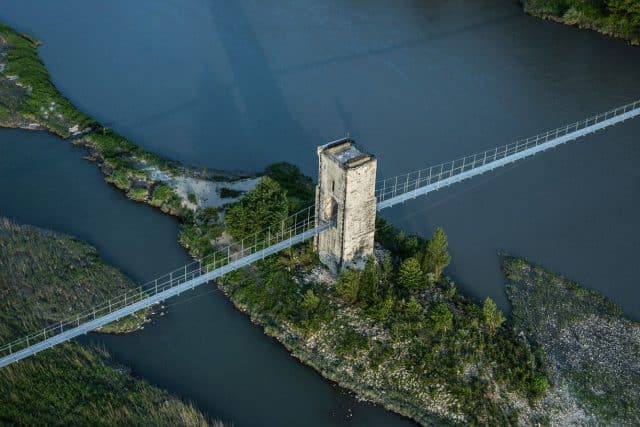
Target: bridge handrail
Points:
(397, 185)
(291, 226)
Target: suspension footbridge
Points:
(325, 217)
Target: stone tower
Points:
(346, 192)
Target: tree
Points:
(436, 256)
(348, 286)
(260, 208)
(538, 386)
(410, 275)
(310, 303)
(299, 187)
(441, 317)
(627, 13)
(412, 309)
(381, 310)
(370, 291)
(493, 317)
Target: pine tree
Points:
(493, 317)
(348, 286)
(410, 275)
(441, 317)
(436, 255)
(310, 302)
(370, 292)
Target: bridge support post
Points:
(346, 194)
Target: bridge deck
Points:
(401, 188)
(179, 281)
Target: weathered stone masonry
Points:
(345, 191)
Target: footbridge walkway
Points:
(299, 227)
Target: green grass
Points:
(138, 194)
(23, 61)
(45, 277)
(71, 385)
(162, 194)
(121, 161)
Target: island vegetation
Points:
(30, 100)
(45, 277)
(618, 18)
(398, 332)
(592, 351)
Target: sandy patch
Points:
(207, 192)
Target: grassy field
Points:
(45, 276)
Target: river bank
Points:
(45, 277)
(29, 100)
(616, 18)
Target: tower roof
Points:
(346, 153)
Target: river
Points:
(239, 85)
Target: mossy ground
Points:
(591, 349)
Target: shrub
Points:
(139, 194)
(227, 193)
(162, 194)
(348, 286)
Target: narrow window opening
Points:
(333, 186)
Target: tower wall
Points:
(346, 191)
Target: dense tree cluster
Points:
(621, 17)
(260, 208)
(399, 315)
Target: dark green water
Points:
(238, 85)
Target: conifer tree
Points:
(436, 255)
(493, 317)
(410, 275)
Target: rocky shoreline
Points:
(592, 351)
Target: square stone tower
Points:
(345, 192)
